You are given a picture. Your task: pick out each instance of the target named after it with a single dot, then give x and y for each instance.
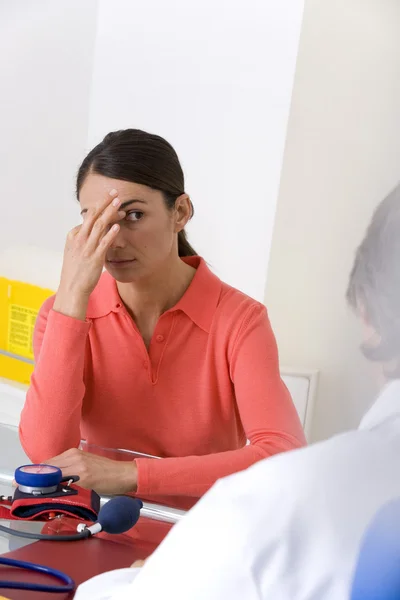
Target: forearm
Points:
(194, 475)
(50, 420)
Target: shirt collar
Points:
(385, 407)
(199, 302)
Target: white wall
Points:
(215, 78)
(46, 52)
(341, 158)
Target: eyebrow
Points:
(123, 205)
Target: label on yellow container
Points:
(19, 306)
(21, 325)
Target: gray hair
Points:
(374, 285)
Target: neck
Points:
(150, 298)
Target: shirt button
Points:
(160, 338)
(145, 365)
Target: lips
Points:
(120, 262)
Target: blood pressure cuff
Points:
(72, 501)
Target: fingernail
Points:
(115, 227)
(112, 192)
(121, 213)
(116, 202)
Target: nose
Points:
(119, 241)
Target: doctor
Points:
(289, 528)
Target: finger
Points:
(106, 241)
(56, 459)
(73, 233)
(138, 564)
(61, 462)
(70, 469)
(64, 455)
(102, 226)
(111, 200)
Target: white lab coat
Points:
(287, 528)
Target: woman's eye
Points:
(134, 215)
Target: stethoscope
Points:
(37, 480)
(68, 586)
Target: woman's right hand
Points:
(84, 256)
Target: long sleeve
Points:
(212, 553)
(240, 541)
(266, 410)
(50, 420)
(288, 528)
(207, 555)
(204, 556)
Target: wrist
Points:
(71, 304)
(130, 476)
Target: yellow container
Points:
(19, 307)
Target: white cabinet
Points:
(302, 385)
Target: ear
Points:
(369, 333)
(363, 315)
(183, 211)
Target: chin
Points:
(124, 275)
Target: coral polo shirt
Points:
(209, 382)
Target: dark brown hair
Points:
(374, 286)
(140, 157)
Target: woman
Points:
(155, 355)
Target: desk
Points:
(82, 559)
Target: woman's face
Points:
(147, 236)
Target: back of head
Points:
(140, 157)
(374, 286)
